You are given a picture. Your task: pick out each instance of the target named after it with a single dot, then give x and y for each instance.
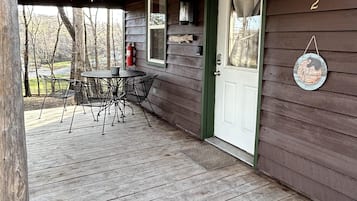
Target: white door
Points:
(239, 26)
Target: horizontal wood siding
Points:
(176, 94)
(308, 139)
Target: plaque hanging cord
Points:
(313, 38)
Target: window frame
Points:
(149, 60)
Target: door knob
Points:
(217, 73)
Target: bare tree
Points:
(26, 52)
(50, 56)
(78, 22)
(67, 23)
(108, 39)
(70, 28)
(113, 41)
(93, 24)
(86, 60)
(60, 23)
(33, 33)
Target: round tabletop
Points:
(108, 74)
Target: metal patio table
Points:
(117, 83)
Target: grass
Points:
(57, 65)
(63, 64)
(33, 86)
(33, 81)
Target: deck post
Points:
(13, 157)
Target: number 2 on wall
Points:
(315, 5)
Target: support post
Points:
(13, 158)
(78, 24)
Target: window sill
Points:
(161, 65)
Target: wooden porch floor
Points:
(132, 162)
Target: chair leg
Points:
(124, 106)
(91, 109)
(74, 112)
(109, 109)
(146, 117)
(64, 109)
(108, 105)
(84, 110)
(65, 104)
(118, 107)
(43, 103)
(115, 113)
(105, 114)
(61, 121)
(123, 111)
(152, 109)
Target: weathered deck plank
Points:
(130, 162)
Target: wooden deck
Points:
(133, 162)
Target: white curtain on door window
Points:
(244, 33)
(246, 8)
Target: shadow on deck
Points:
(133, 162)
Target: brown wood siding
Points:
(308, 140)
(176, 94)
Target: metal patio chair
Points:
(95, 94)
(57, 88)
(137, 91)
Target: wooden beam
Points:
(13, 158)
(76, 3)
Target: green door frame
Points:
(209, 81)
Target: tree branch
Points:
(66, 22)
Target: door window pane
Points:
(244, 33)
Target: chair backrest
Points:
(93, 92)
(147, 82)
(139, 89)
(57, 87)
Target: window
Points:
(244, 34)
(156, 31)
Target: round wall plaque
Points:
(310, 71)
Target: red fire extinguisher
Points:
(130, 54)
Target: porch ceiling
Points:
(76, 3)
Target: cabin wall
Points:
(176, 93)
(308, 139)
